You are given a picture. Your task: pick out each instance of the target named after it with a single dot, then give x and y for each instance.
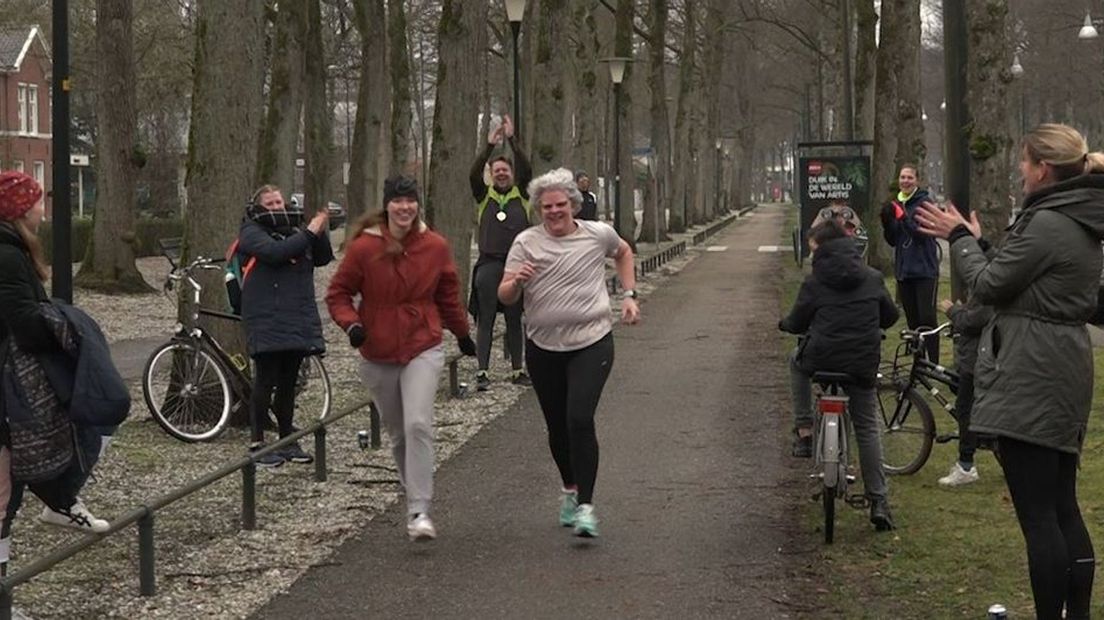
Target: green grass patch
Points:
(956, 551)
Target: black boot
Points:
(880, 515)
(802, 446)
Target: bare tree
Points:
(279, 145)
(682, 160)
(318, 115)
(462, 39)
(625, 195)
(657, 195)
(549, 89)
(109, 260)
(399, 62)
(883, 167)
(866, 53)
(365, 185)
(987, 81)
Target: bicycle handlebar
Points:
(200, 262)
(920, 334)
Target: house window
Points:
(22, 107)
(17, 165)
(32, 109)
(40, 173)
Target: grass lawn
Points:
(956, 551)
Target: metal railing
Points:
(143, 515)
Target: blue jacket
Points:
(916, 255)
(279, 308)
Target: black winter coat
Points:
(20, 293)
(916, 255)
(279, 308)
(841, 308)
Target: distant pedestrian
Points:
(280, 309)
(39, 445)
(589, 210)
(502, 211)
(916, 255)
(1034, 370)
(409, 290)
(560, 265)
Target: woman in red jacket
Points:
(408, 286)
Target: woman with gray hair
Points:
(560, 264)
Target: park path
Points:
(696, 496)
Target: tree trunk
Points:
(866, 21)
(280, 142)
(587, 106)
(910, 125)
(987, 80)
(401, 111)
(365, 186)
(227, 105)
(109, 260)
(627, 185)
(319, 116)
(654, 224)
(549, 90)
(682, 162)
(883, 165)
(713, 74)
(462, 40)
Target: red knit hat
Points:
(18, 194)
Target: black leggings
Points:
(569, 385)
(1043, 485)
(487, 278)
(964, 405)
(274, 376)
(918, 300)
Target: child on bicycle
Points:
(968, 320)
(841, 310)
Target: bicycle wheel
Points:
(829, 497)
(313, 396)
(187, 391)
(907, 431)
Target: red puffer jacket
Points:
(403, 298)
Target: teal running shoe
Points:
(568, 504)
(586, 524)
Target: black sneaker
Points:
(520, 378)
(880, 515)
(296, 454)
(270, 460)
(802, 446)
(482, 381)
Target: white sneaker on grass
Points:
(958, 476)
(77, 517)
(420, 528)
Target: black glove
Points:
(356, 335)
(467, 345)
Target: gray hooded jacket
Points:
(1034, 372)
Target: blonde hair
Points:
(34, 248)
(1063, 148)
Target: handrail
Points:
(143, 515)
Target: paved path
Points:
(695, 494)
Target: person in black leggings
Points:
(569, 350)
(1034, 370)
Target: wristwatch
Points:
(629, 294)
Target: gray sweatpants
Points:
(863, 409)
(405, 395)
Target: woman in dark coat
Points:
(279, 308)
(1034, 371)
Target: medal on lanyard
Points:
(501, 216)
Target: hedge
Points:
(148, 230)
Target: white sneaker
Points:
(958, 476)
(77, 517)
(420, 528)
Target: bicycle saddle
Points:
(828, 378)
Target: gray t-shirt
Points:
(566, 304)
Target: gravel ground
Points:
(207, 567)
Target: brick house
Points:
(25, 133)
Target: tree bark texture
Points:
(654, 224)
(587, 106)
(627, 186)
(109, 260)
(365, 184)
(987, 91)
(318, 115)
(680, 176)
(910, 125)
(280, 141)
(462, 39)
(713, 73)
(549, 89)
(401, 110)
(883, 166)
(866, 54)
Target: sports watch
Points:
(629, 294)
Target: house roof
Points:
(15, 42)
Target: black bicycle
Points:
(908, 429)
(192, 385)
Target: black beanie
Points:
(400, 186)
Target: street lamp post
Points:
(62, 202)
(515, 11)
(617, 75)
(717, 178)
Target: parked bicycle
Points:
(831, 446)
(909, 425)
(193, 386)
